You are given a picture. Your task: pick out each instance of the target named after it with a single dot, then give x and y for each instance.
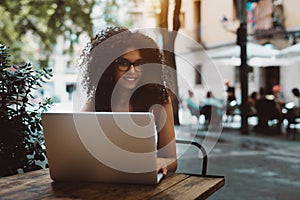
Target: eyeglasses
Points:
(124, 65)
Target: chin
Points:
(129, 85)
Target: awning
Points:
(291, 50)
(253, 50)
(258, 55)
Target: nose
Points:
(131, 69)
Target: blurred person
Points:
(296, 94)
(210, 100)
(293, 108)
(230, 92)
(279, 101)
(267, 110)
(192, 105)
(252, 103)
(231, 103)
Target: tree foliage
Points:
(45, 20)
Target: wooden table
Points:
(38, 185)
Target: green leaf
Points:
(22, 127)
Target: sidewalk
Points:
(255, 166)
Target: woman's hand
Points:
(163, 163)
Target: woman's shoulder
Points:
(89, 106)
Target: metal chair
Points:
(204, 160)
(203, 151)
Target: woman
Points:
(122, 72)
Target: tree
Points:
(48, 19)
(113, 12)
(45, 21)
(169, 35)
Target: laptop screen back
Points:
(101, 146)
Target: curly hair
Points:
(97, 66)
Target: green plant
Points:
(21, 136)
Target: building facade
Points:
(270, 23)
(208, 26)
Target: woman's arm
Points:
(166, 139)
(89, 106)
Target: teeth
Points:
(130, 79)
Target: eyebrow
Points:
(128, 59)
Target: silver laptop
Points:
(112, 147)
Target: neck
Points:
(121, 100)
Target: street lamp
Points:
(242, 42)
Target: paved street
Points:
(255, 166)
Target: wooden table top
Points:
(38, 185)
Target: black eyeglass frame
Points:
(124, 64)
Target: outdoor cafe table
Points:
(38, 185)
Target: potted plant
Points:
(21, 136)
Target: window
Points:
(198, 74)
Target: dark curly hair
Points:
(98, 70)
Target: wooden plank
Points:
(20, 181)
(193, 187)
(113, 191)
(25, 186)
(37, 184)
(23, 177)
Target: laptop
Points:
(110, 147)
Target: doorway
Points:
(272, 77)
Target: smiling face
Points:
(128, 79)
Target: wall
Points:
(212, 31)
(212, 75)
(291, 14)
(290, 79)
